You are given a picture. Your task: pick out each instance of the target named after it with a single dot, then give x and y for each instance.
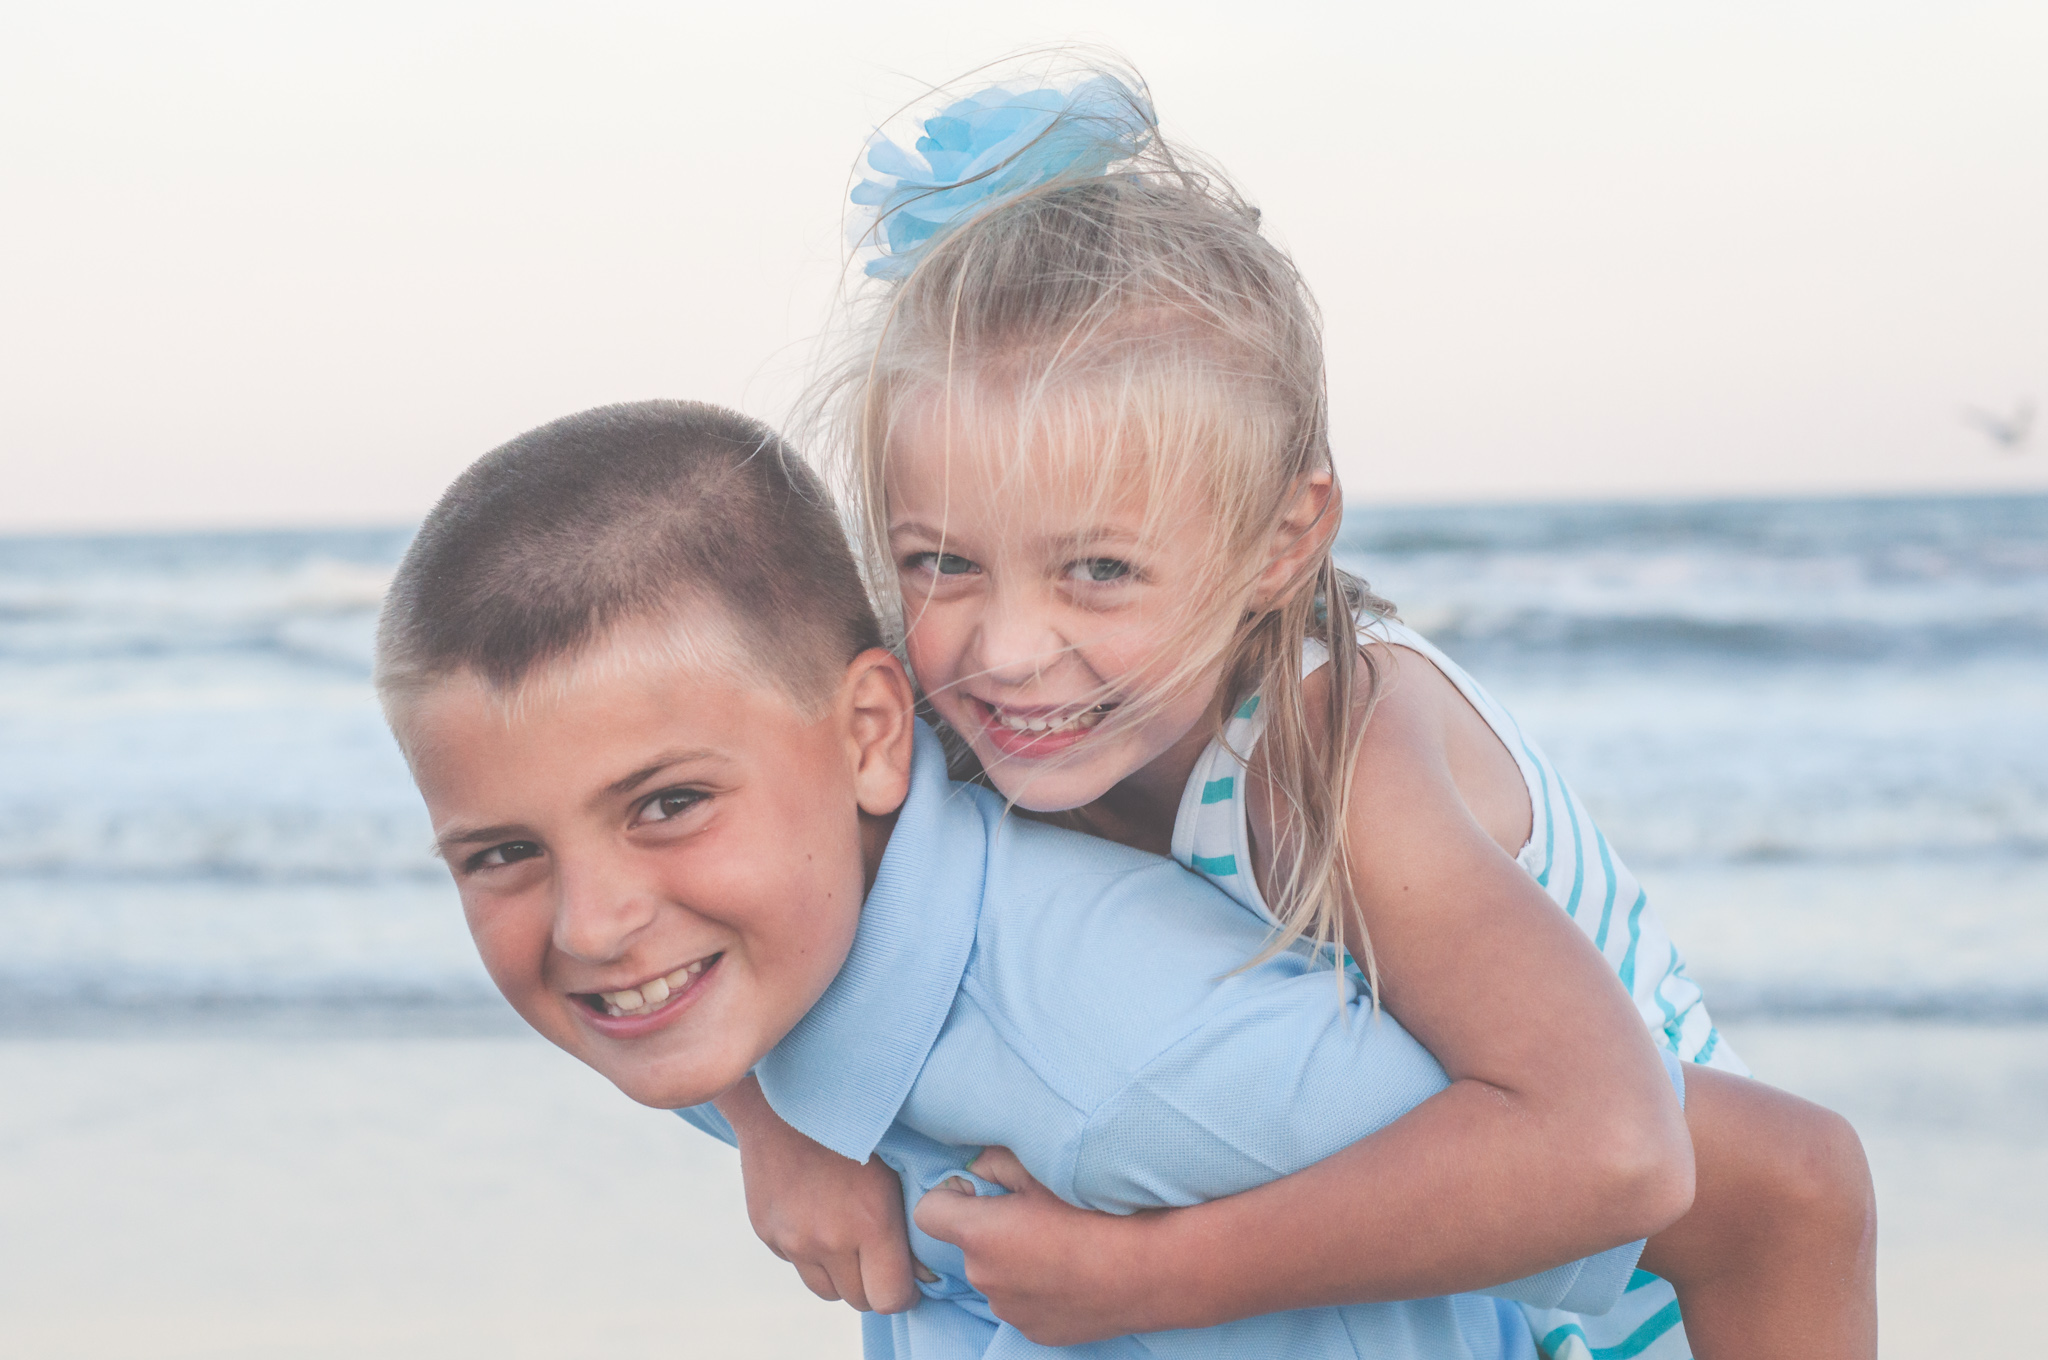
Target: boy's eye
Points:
(670, 803)
(943, 563)
(1096, 570)
(511, 852)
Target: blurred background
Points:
(1683, 371)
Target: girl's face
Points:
(1049, 630)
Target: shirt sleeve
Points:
(1272, 1083)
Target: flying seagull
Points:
(2011, 433)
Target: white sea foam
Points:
(1801, 722)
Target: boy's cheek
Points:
(512, 949)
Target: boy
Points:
(641, 690)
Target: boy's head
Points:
(630, 661)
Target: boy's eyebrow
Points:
(647, 772)
(510, 831)
(476, 836)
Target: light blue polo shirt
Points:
(1078, 1002)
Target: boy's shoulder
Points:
(1049, 890)
(1100, 957)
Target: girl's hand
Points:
(1058, 1274)
(839, 1222)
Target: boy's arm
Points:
(839, 1222)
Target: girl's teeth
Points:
(1077, 722)
(649, 995)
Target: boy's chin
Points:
(660, 1081)
(665, 1092)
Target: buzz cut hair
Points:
(666, 513)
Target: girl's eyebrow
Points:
(1106, 533)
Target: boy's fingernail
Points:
(959, 1185)
(924, 1272)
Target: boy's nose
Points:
(598, 912)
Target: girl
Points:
(1089, 451)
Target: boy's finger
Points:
(1000, 1165)
(846, 1279)
(886, 1280)
(816, 1279)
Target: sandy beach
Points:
(314, 1188)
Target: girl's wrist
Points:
(1171, 1264)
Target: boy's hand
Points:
(1059, 1275)
(839, 1222)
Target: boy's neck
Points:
(874, 843)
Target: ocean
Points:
(1817, 729)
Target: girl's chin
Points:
(1052, 787)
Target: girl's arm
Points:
(839, 1222)
(1559, 1136)
(1525, 1162)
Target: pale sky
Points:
(298, 264)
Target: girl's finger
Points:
(947, 1213)
(1000, 1165)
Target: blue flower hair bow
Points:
(985, 148)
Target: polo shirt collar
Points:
(844, 1072)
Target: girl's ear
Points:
(879, 705)
(1304, 531)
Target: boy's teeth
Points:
(649, 995)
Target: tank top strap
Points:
(1211, 830)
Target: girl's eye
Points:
(511, 852)
(943, 563)
(1097, 570)
(670, 804)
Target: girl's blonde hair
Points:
(1131, 334)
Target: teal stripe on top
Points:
(1607, 908)
(1637, 1341)
(1220, 865)
(1218, 790)
(1549, 819)
(1571, 906)
(1248, 707)
(1635, 937)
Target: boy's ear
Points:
(1304, 530)
(880, 707)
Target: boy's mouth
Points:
(634, 1003)
(1038, 731)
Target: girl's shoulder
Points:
(1424, 728)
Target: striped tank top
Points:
(1574, 865)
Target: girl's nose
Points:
(1017, 640)
(599, 909)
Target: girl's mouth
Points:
(1038, 732)
(631, 1010)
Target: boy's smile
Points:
(662, 868)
